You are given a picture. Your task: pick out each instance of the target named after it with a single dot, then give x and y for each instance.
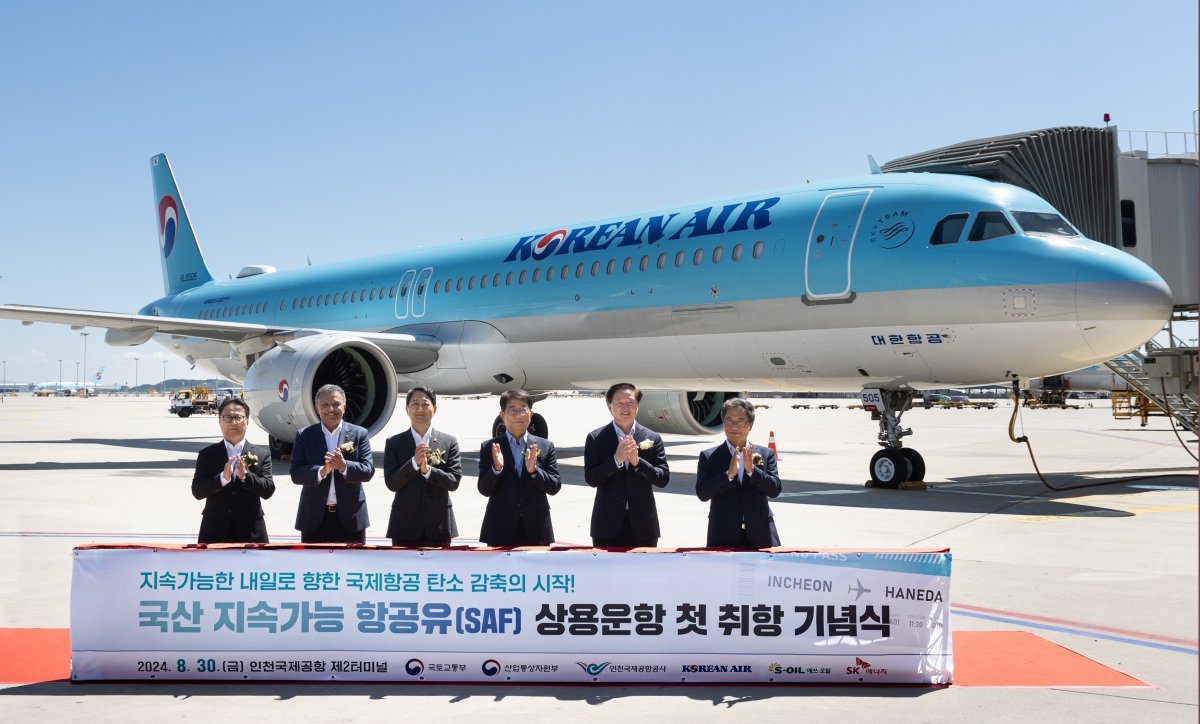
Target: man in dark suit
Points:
(332, 459)
(516, 472)
(623, 461)
(738, 477)
(421, 465)
(233, 477)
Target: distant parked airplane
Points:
(43, 389)
(891, 282)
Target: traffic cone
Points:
(771, 444)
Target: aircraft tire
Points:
(889, 468)
(916, 463)
(278, 447)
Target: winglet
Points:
(182, 261)
(874, 166)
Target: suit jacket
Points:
(622, 488)
(515, 493)
(422, 507)
(733, 503)
(232, 513)
(308, 457)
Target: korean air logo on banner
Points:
(283, 390)
(547, 245)
(168, 224)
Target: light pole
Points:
(60, 376)
(135, 380)
(164, 377)
(85, 387)
(76, 374)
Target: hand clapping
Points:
(531, 456)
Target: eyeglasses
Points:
(517, 411)
(736, 421)
(421, 405)
(233, 419)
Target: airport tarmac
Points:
(1109, 572)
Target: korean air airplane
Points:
(889, 283)
(51, 387)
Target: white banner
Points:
(349, 614)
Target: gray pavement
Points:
(1109, 572)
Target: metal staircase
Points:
(1179, 400)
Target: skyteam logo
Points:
(414, 667)
(283, 390)
(593, 669)
(168, 224)
(547, 245)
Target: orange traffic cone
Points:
(771, 444)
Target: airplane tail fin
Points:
(182, 261)
(99, 375)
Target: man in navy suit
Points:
(738, 477)
(233, 477)
(332, 459)
(516, 472)
(422, 466)
(624, 461)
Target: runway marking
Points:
(1076, 627)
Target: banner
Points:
(572, 616)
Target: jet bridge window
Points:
(1043, 223)
(989, 225)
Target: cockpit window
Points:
(948, 230)
(1037, 222)
(990, 225)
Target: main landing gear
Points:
(894, 464)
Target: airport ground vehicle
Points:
(198, 401)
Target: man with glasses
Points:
(233, 477)
(332, 459)
(624, 462)
(516, 473)
(421, 465)
(737, 477)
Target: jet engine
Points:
(281, 383)
(685, 413)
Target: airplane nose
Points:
(1121, 302)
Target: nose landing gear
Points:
(894, 464)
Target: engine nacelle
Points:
(684, 413)
(281, 383)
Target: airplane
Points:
(1096, 378)
(887, 283)
(52, 387)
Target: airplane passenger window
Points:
(550, 274)
(508, 279)
(536, 273)
(627, 265)
(437, 286)
(679, 259)
(644, 264)
(565, 272)
(483, 280)
(611, 266)
(736, 255)
(372, 294)
(662, 261)
(948, 230)
(458, 285)
(595, 268)
(403, 292)
(697, 257)
(354, 296)
(718, 252)
(392, 292)
(521, 277)
(310, 300)
(496, 280)
(989, 225)
(579, 270)
(362, 295)
(758, 250)
(421, 289)
(471, 282)
(327, 299)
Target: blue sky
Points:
(323, 130)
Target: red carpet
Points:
(34, 654)
(1019, 658)
(981, 658)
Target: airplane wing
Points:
(407, 351)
